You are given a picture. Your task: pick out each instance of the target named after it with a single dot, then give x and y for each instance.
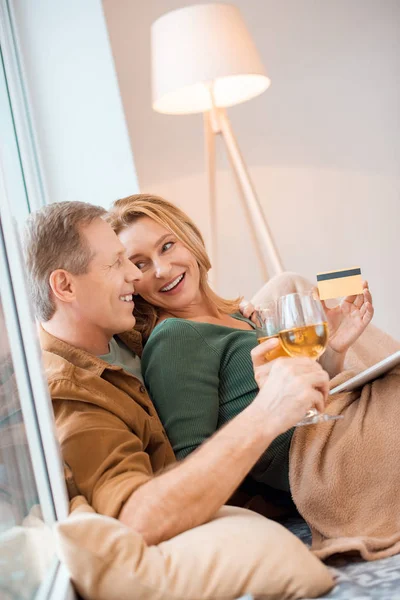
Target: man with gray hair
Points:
(82, 286)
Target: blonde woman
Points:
(196, 361)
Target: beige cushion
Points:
(237, 552)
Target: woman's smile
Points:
(174, 286)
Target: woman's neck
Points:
(201, 309)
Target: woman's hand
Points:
(247, 309)
(346, 323)
(348, 320)
(261, 366)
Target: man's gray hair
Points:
(53, 240)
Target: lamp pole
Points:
(216, 122)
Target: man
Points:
(82, 286)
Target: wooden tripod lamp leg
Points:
(258, 223)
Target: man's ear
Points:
(62, 285)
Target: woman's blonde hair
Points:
(126, 211)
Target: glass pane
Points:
(26, 546)
(9, 151)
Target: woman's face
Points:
(171, 276)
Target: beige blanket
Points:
(345, 475)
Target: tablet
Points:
(369, 374)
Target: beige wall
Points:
(322, 144)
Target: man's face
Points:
(103, 295)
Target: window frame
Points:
(25, 135)
(34, 397)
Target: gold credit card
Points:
(335, 284)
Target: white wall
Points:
(76, 106)
(322, 144)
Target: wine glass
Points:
(266, 319)
(304, 332)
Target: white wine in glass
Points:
(310, 340)
(267, 324)
(304, 332)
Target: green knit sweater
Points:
(199, 376)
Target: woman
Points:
(196, 362)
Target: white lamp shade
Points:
(195, 46)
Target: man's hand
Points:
(348, 320)
(289, 386)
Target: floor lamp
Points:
(204, 60)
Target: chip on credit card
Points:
(337, 284)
